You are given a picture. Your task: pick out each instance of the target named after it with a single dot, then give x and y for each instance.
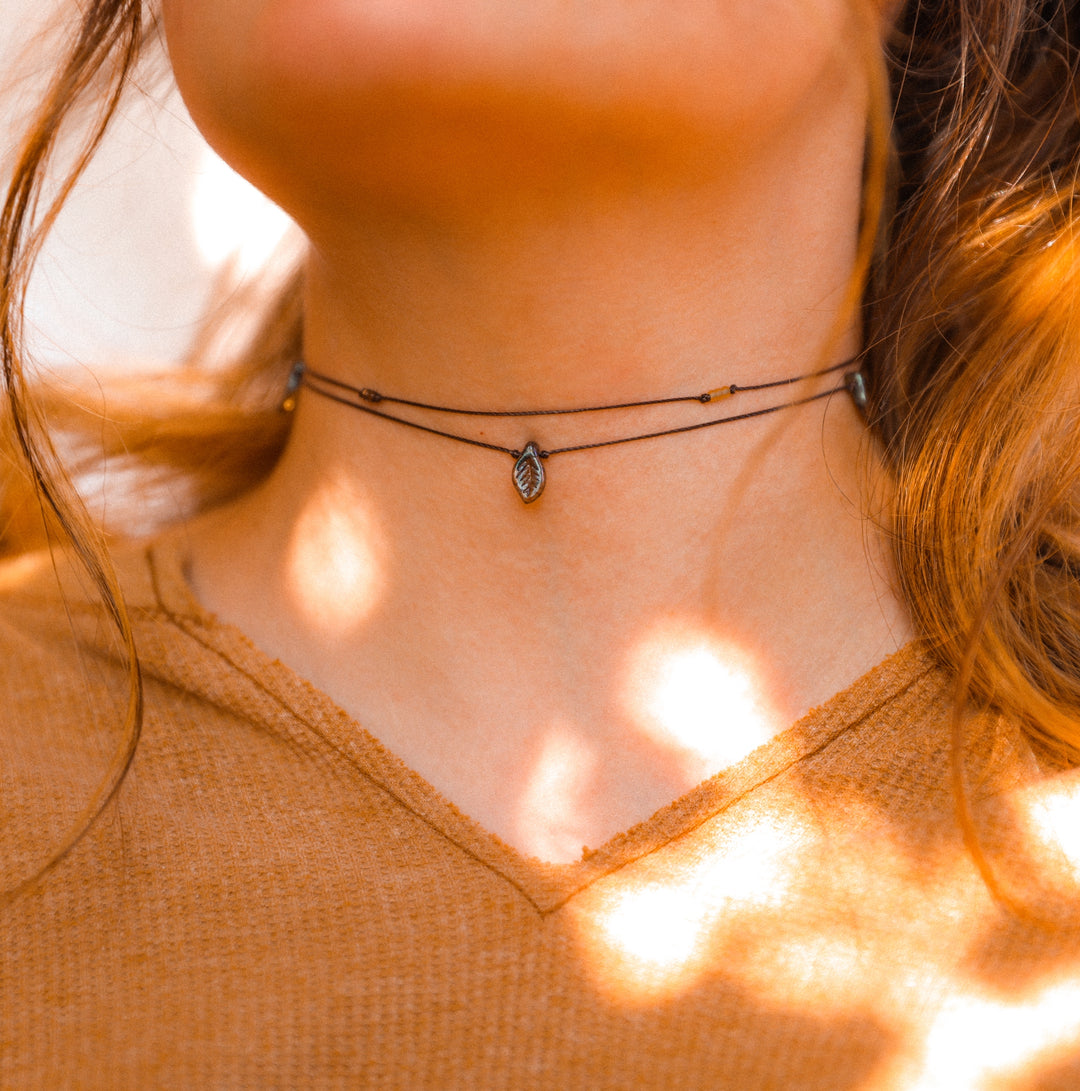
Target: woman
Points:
(801, 667)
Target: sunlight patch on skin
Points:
(656, 938)
(1054, 820)
(554, 795)
(18, 570)
(702, 696)
(978, 1043)
(334, 562)
(232, 222)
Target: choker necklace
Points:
(529, 476)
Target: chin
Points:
(433, 108)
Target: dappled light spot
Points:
(658, 937)
(1054, 818)
(701, 696)
(334, 563)
(981, 1042)
(16, 571)
(658, 927)
(553, 796)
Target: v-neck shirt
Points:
(275, 899)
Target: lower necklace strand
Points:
(529, 476)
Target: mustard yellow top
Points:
(275, 900)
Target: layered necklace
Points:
(529, 475)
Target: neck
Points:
(414, 586)
(608, 301)
(612, 300)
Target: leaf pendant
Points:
(529, 474)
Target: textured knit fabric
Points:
(275, 900)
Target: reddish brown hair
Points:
(974, 337)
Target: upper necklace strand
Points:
(529, 476)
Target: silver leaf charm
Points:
(529, 474)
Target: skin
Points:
(551, 203)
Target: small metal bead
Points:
(856, 387)
(719, 393)
(296, 377)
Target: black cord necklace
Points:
(529, 476)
